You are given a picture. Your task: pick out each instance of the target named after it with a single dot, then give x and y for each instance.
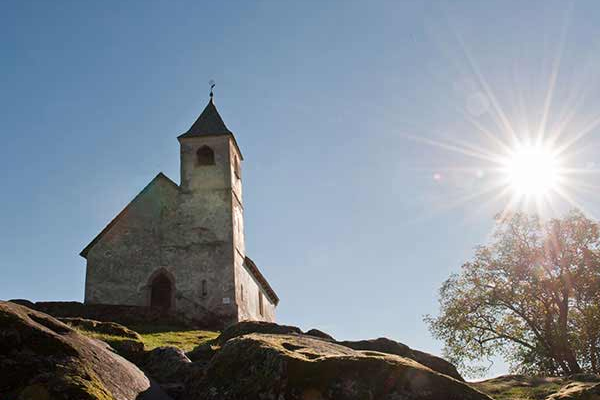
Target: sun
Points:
(532, 170)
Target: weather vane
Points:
(212, 85)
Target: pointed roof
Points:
(208, 123)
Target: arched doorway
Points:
(161, 292)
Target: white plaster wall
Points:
(248, 303)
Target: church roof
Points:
(210, 123)
(261, 279)
(157, 178)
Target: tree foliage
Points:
(532, 296)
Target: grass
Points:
(154, 336)
(182, 338)
(517, 387)
(105, 337)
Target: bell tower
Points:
(210, 211)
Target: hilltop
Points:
(43, 358)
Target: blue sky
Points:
(354, 211)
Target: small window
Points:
(260, 303)
(205, 156)
(242, 292)
(236, 167)
(204, 287)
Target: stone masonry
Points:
(181, 247)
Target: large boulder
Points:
(108, 328)
(436, 363)
(382, 345)
(42, 358)
(388, 346)
(166, 364)
(245, 327)
(202, 353)
(126, 342)
(172, 369)
(577, 391)
(320, 334)
(296, 367)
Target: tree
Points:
(532, 296)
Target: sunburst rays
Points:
(528, 152)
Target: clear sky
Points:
(367, 129)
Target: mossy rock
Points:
(297, 367)
(320, 334)
(108, 328)
(514, 387)
(578, 391)
(43, 358)
(246, 327)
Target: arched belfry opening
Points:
(162, 289)
(205, 156)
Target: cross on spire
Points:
(212, 85)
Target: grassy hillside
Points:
(144, 337)
(185, 339)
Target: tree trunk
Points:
(564, 347)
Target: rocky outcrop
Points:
(319, 334)
(126, 342)
(42, 358)
(436, 363)
(382, 345)
(577, 391)
(172, 369)
(166, 364)
(202, 353)
(299, 367)
(388, 346)
(108, 328)
(245, 327)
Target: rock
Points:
(23, 302)
(172, 369)
(294, 367)
(166, 364)
(319, 334)
(245, 327)
(577, 391)
(109, 328)
(202, 353)
(520, 386)
(388, 346)
(43, 358)
(382, 345)
(436, 363)
(126, 342)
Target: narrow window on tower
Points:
(242, 292)
(204, 288)
(205, 156)
(260, 303)
(236, 167)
